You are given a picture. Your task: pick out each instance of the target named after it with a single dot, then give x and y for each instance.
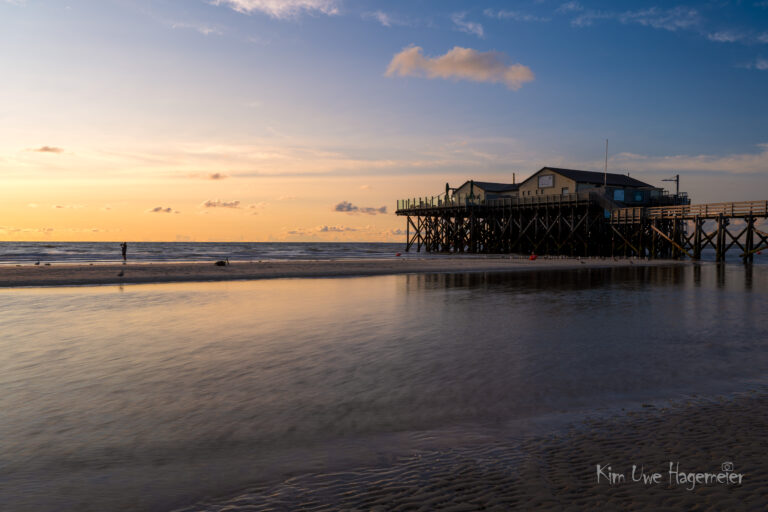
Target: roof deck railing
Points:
(464, 200)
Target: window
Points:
(546, 181)
(618, 194)
(565, 191)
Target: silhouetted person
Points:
(124, 248)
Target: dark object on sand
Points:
(222, 263)
(121, 274)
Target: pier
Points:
(585, 223)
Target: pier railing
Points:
(461, 200)
(691, 212)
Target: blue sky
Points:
(331, 97)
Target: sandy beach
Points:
(99, 274)
(559, 472)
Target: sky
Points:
(306, 120)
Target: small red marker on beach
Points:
(398, 254)
(533, 257)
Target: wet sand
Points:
(558, 472)
(84, 274)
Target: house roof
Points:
(615, 180)
(488, 186)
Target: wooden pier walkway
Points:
(582, 224)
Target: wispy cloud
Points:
(67, 206)
(461, 64)
(740, 163)
(568, 7)
(759, 64)
(282, 9)
(347, 207)
(160, 209)
(385, 19)
(48, 149)
(763, 38)
(725, 37)
(674, 19)
(334, 229)
(202, 28)
(217, 176)
(515, 16)
(217, 203)
(470, 27)
(257, 207)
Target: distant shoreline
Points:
(137, 273)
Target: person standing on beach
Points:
(124, 248)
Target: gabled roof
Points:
(488, 186)
(597, 178)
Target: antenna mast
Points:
(605, 173)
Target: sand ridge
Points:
(88, 274)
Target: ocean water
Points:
(152, 397)
(105, 252)
(109, 252)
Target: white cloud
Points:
(470, 27)
(664, 19)
(725, 37)
(202, 28)
(282, 9)
(216, 203)
(569, 7)
(761, 64)
(763, 38)
(739, 163)
(514, 16)
(461, 64)
(382, 17)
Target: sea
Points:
(189, 396)
(20, 253)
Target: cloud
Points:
(396, 232)
(206, 30)
(569, 7)
(763, 38)
(461, 64)
(32, 205)
(282, 9)
(334, 229)
(48, 149)
(67, 206)
(514, 16)
(347, 207)
(740, 163)
(160, 209)
(759, 64)
(256, 207)
(286, 198)
(470, 27)
(216, 203)
(365, 187)
(664, 19)
(382, 17)
(217, 176)
(725, 37)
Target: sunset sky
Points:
(302, 120)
